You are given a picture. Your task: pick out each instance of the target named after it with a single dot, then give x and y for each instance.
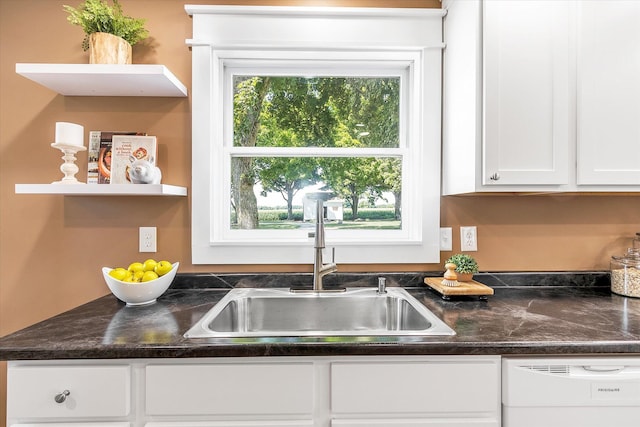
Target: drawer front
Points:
(265, 423)
(414, 423)
(221, 389)
(93, 391)
(466, 389)
(73, 425)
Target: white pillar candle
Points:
(69, 133)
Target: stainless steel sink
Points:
(256, 312)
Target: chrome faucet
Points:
(320, 269)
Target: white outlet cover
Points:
(468, 239)
(148, 239)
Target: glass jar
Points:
(625, 273)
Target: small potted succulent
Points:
(466, 266)
(109, 34)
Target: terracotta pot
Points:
(464, 277)
(105, 48)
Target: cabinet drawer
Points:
(94, 391)
(264, 423)
(415, 423)
(434, 387)
(73, 425)
(221, 389)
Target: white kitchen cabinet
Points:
(428, 392)
(73, 424)
(47, 393)
(507, 105)
(416, 391)
(526, 93)
(410, 423)
(608, 93)
(541, 96)
(263, 423)
(230, 389)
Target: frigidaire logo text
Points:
(609, 389)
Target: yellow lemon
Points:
(129, 279)
(118, 273)
(136, 266)
(163, 267)
(137, 275)
(149, 264)
(149, 276)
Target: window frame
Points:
(364, 66)
(215, 51)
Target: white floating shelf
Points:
(105, 79)
(102, 189)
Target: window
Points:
(288, 100)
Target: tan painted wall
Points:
(52, 247)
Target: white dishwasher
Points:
(571, 392)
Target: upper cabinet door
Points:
(527, 95)
(608, 105)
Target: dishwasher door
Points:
(571, 392)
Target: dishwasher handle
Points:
(606, 369)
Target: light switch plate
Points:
(446, 239)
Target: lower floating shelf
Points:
(102, 189)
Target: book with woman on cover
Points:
(129, 148)
(99, 164)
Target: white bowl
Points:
(139, 293)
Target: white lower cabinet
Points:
(263, 423)
(355, 391)
(230, 389)
(74, 394)
(431, 391)
(411, 423)
(73, 424)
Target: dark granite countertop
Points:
(537, 314)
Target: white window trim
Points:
(230, 33)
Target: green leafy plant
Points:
(97, 16)
(465, 264)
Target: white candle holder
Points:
(69, 167)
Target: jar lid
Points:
(633, 252)
(631, 257)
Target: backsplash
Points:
(413, 279)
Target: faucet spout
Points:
(320, 269)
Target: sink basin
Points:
(256, 312)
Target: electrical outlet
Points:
(446, 239)
(148, 240)
(468, 238)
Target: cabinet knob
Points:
(495, 177)
(61, 397)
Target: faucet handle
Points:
(382, 285)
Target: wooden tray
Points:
(471, 288)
